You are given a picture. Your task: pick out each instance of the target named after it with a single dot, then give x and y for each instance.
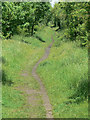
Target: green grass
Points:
(64, 75)
(19, 57)
(12, 103)
(44, 34)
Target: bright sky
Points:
(53, 2)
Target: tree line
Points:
(74, 18)
(17, 16)
(71, 16)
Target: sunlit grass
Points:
(64, 75)
(19, 57)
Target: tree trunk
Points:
(55, 22)
(59, 25)
(32, 29)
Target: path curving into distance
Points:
(43, 92)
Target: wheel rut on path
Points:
(43, 92)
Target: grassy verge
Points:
(19, 56)
(64, 75)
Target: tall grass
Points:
(20, 54)
(40, 38)
(64, 75)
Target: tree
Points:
(23, 15)
(74, 17)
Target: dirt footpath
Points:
(43, 92)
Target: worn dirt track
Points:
(43, 92)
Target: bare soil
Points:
(33, 98)
(45, 97)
